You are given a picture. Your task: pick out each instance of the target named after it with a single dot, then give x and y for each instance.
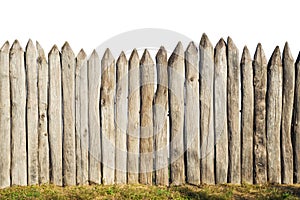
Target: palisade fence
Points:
(201, 116)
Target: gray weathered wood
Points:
(133, 118)
(296, 123)
(5, 147)
(18, 115)
(274, 109)
(81, 103)
(160, 119)
(32, 113)
(94, 77)
(108, 84)
(247, 116)
(147, 95)
(287, 112)
(192, 115)
(176, 99)
(55, 116)
(121, 119)
(233, 102)
(220, 112)
(43, 142)
(68, 88)
(260, 89)
(206, 67)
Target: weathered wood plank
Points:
(160, 119)
(133, 118)
(220, 112)
(247, 116)
(207, 137)
(274, 109)
(287, 113)
(107, 94)
(192, 115)
(296, 123)
(81, 103)
(121, 119)
(5, 137)
(233, 78)
(176, 99)
(43, 143)
(18, 115)
(55, 116)
(147, 95)
(260, 89)
(94, 77)
(68, 88)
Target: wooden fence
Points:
(200, 116)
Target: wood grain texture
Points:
(260, 89)
(220, 112)
(108, 84)
(5, 137)
(207, 136)
(68, 88)
(43, 136)
(274, 109)
(160, 119)
(176, 100)
(94, 77)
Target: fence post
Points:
(296, 123)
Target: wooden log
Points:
(207, 136)
(287, 113)
(121, 119)
(260, 89)
(43, 141)
(220, 112)
(176, 99)
(81, 103)
(68, 88)
(133, 118)
(5, 137)
(247, 116)
(146, 141)
(296, 123)
(107, 94)
(192, 115)
(233, 78)
(160, 119)
(18, 115)
(55, 117)
(94, 77)
(274, 109)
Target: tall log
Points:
(296, 123)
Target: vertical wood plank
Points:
(207, 136)
(107, 94)
(5, 137)
(260, 89)
(274, 109)
(133, 118)
(296, 123)
(68, 88)
(287, 112)
(176, 98)
(121, 119)
(192, 115)
(43, 141)
(220, 112)
(94, 76)
(161, 119)
(18, 115)
(55, 116)
(147, 95)
(247, 116)
(81, 103)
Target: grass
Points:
(153, 192)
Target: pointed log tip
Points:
(38, 46)
(16, 46)
(192, 49)
(29, 45)
(107, 55)
(94, 55)
(54, 49)
(161, 52)
(66, 47)
(178, 49)
(230, 43)
(246, 54)
(5, 47)
(287, 54)
(146, 57)
(221, 44)
(205, 42)
(134, 55)
(81, 54)
(259, 54)
(276, 58)
(122, 58)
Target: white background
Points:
(86, 24)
